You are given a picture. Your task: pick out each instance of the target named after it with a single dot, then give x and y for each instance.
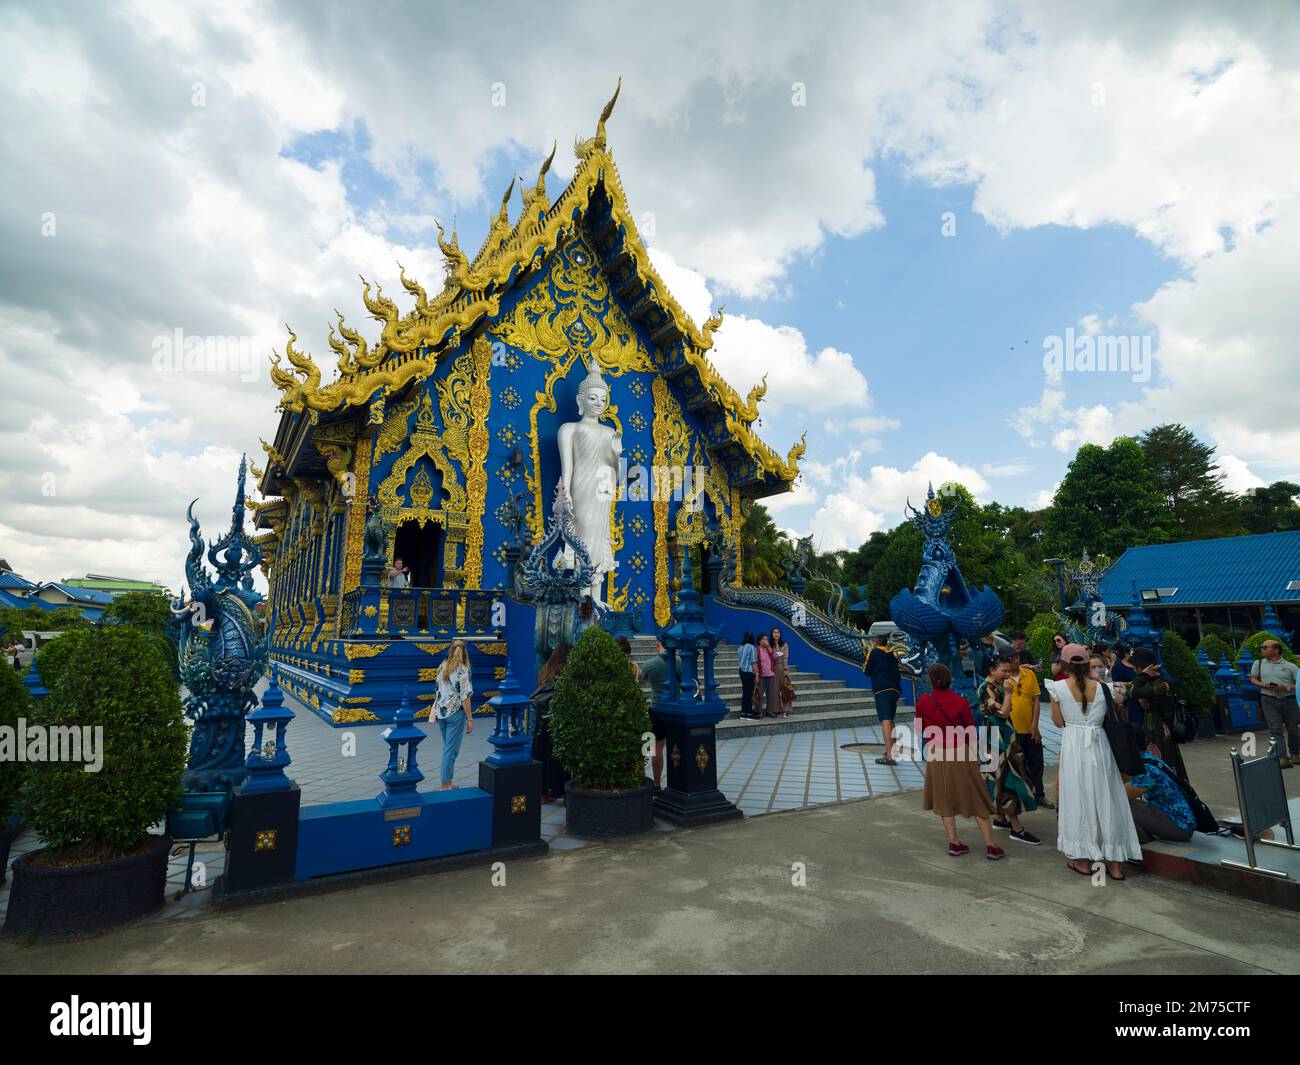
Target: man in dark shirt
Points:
(655, 673)
(886, 686)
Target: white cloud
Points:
(857, 505)
(1237, 476)
(176, 216)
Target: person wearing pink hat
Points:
(1094, 821)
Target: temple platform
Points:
(1198, 861)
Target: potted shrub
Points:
(598, 719)
(14, 703)
(100, 866)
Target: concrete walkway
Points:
(881, 895)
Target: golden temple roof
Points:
(410, 344)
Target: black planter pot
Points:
(1206, 731)
(608, 814)
(8, 833)
(81, 899)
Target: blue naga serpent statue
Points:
(940, 610)
(220, 653)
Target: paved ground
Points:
(880, 896)
(761, 774)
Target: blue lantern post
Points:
(267, 761)
(402, 774)
(1227, 687)
(1248, 700)
(262, 846)
(692, 796)
(510, 774)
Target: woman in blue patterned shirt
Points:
(1160, 810)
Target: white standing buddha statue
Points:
(589, 456)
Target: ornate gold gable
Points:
(409, 345)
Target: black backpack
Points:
(1185, 726)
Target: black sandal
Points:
(1075, 869)
(885, 760)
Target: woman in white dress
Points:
(1093, 818)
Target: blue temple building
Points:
(445, 429)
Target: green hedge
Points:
(1255, 645)
(14, 703)
(1191, 681)
(116, 680)
(598, 715)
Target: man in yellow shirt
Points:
(1024, 718)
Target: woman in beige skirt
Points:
(953, 785)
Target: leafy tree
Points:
(1190, 483)
(761, 545)
(1271, 509)
(857, 565)
(598, 715)
(147, 610)
(115, 681)
(1042, 627)
(1107, 503)
(896, 570)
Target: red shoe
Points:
(994, 853)
(956, 850)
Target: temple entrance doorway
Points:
(420, 547)
(700, 564)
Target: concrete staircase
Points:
(821, 703)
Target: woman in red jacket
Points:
(953, 785)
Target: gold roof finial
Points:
(582, 148)
(503, 215)
(706, 332)
(537, 194)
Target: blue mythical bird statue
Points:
(221, 654)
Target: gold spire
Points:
(536, 196)
(582, 149)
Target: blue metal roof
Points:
(11, 580)
(81, 595)
(8, 598)
(1231, 570)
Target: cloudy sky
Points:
(899, 204)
